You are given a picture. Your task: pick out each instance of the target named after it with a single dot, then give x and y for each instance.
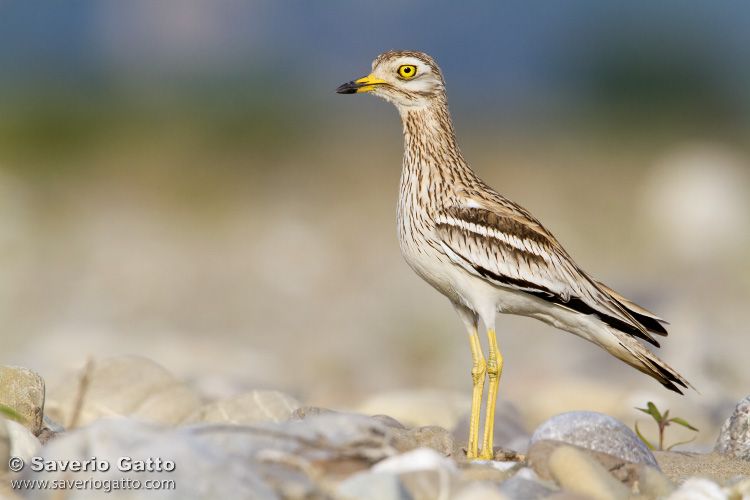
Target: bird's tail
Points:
(633, 353)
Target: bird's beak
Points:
(365, 84)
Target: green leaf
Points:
(683, 442)
(684, 424)
(650, 446)
(652, 411)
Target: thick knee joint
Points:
(495, 365)
(478, 370)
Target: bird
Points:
(487, 254)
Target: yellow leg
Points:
(494, 370)
(478, 372)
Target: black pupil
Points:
(407, 70)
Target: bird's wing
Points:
(504, 244)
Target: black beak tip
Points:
(347, 88)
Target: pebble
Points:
(653, 484)
(372, 486)
(577, 472)
(266, 445)
(416, 460)
(483, 491)
(248, 408)
(734, 439)
(540, 452)
(419, 474)
(122, 386)
(436, 438)
(16, 441)
(22, 391)
(598, 432)
(519, 488)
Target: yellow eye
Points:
(407, 71)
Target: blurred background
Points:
(178, 179)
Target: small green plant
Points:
(662, 421)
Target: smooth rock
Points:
(249, 408)
(510, 432)
(372, 486)
(21, 442)
(22, 391)
(481, 491)
(122, 386)
(416, 460)
(519, 488)
(423, 473)
(483, 470)
(652, 484)
(734, 439)
(579, 473)
(430, 484)
(540, 452)
(598, 432)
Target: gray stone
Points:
(598, 432)
(22, 392)
(372, 486)
(519, 488)
(21, 442)
(429, 484)
(121, 386)
(389, 421)
(734, 439)
(424, 473)
(249, 408)
(483, 470)
(579, 473)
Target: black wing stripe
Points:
(573, 303)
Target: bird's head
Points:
(404, 78)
